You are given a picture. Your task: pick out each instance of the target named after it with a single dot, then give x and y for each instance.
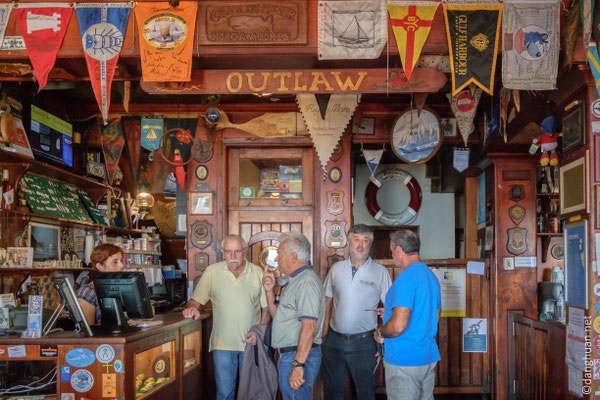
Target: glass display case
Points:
(191, 350)
(154, 368)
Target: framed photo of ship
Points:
(415, 139)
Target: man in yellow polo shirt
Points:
(235, 288)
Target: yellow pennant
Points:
(411, 22)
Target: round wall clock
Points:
(201, 172)
(335, 174)
(415, 139)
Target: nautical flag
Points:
(351, 29)
(43, 27)
(167, 39)
(326, 133)
(5, 10)
(464, 107)
(586, 10)
(152, 131)
(530, 44)
(460, 158)
(181, 135)
(411, 22)
(372, 157)
(473, 31)
(102, 27)
(113, 141)
(594, 61)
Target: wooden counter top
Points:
(169, 321)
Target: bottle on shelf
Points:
(554, 218)
(560, 308)
(7, 198)
(541, 223)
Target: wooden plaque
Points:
(261, 23)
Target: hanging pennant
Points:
(411, 22)
(373, 157)
(5, 10)
(113, 140)
(586, 9)
(152, 131)
(490, 123)
(594, 61)
(460, 159)
(168, 39)
(504, 100)
(182, 140)
(322, 101)
(133, 139)
(326, 133)
(350, 30)
(43, 27)
(464, 106)
(102, 27)
(530, 44)
(473, 31)
(569, 33)
(596, 23)
(420, 99)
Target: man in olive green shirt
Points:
(235, 288)
(298, 319)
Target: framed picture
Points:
(573, 186)
(576, 264)
(448, 127)
(201, 203)
(509, 263)
(19, 257)
(597, 159)
(366, 126)
(489, 238)
(45, 241)
(573, 128)
(415, 139)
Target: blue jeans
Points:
(311, 369)
(228, 365)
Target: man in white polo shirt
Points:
(353, 289)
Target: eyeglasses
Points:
(230, 252)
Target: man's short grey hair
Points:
(296, 243)
(360, 228)
(233, 237)
(407, 240)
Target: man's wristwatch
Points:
(297, 364)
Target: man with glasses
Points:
(235, 288)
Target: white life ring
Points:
(407, 215)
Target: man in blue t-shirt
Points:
(410, 319)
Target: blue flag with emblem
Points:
(102, 27)
(152, 131)
(594, 61)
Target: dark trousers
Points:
(339, 357)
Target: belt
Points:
(354, 335)
(294, 348)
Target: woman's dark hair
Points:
(102, 252)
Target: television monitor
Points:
(122, 295)
(51, 137)
(45, 240)
(69, 300)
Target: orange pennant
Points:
(167, 40)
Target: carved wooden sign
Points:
(368, 80)
(253, 23)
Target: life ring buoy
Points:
(405, 216)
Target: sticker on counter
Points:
(597, 289)
(105, 353)
(82, 380)
(596, 369)
(67, 396)
(16, 351)
(119, 366)
(65, 373)
(597, 324)
(109, 385)
(80, 357)
(48, 350)
(595, 108)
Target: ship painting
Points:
(416, 138)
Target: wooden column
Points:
(471, 217)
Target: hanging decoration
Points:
(184, 131)
(596, 22)
(419, 99)
(530, 44)
(152, 131)
(167, 39)
(43, 27)
(548, 141)
(473, 31)
(460, 158)
(504, 100)
(490, 122)
(411, 22)
(594, 61)
(269, 125)
(5, 10)
(113, 140)
(570, 31)
(373, 158)
(586, 9)
(464, 106)
(350, 30)
(132, 140)
(326, 133)
(102, 27)
(415, 139)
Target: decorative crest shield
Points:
(201, 234)
(335, 202)
(517, 241)
(517, 213)
(335, 236)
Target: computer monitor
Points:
(69, 300)
(119, 293)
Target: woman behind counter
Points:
(104, 258)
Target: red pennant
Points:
(179, 170)
(43, 30)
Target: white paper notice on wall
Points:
(596, 126)
(181, 223)
(475, 267)
(526, 262)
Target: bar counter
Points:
(158, 362)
